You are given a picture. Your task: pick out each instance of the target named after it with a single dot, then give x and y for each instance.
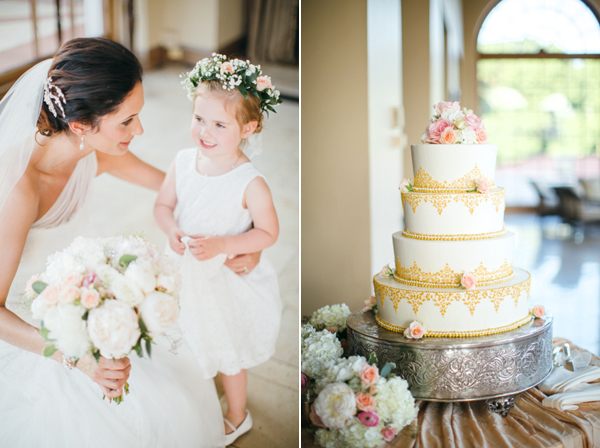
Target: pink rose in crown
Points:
(468, 281)
(303, 381)
(226, 67)
(365, 402)
(443, 106)
(481, 135)
(370, 303)
(435, 129)
(388, 433)
(368, 418)
(482, 186)
(263, 82)
(369, 375)
(448, 136)
(415, 330)
(538, 311)
(473, 121)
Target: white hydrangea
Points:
(329, 438)
(358, 435)
(319, 349)
(395, 404)
(343, 369)
(331, 316)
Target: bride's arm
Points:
(131, 169)
(18, 214)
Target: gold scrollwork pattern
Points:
(448, 278)
(443, 299)
(424, 182)
(458, 334)
(441, 200)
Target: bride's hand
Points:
(110, 375)
(243, 264)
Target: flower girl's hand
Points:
(110, 375)
(243, 264)
(175, 236)
(205, 247)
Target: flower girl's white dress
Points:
(230, 322)
(44, 405)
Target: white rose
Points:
(469, 136)
(166, 283)
(127, 291)
(114, 329)
(336, 405)
(159, 312)
(107, 273)
(68, 329)
(39, 308)
(142, 274)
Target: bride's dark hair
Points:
(95, 75)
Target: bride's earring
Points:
(81, 146)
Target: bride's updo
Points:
(95, 75)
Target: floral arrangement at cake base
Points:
(104, 297)
(350, 402)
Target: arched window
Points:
(538, 73)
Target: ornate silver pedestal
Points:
(493, 368)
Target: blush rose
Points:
(468, 280)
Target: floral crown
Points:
(233, 73)
(451, 125)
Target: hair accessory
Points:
(81, 146)
(50, 99)
(233, 73)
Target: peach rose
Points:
(89, 298)
(373, 390)
(226, 67)
(481, 186)
(388, 433)
(468, 280)
(74, 279)
(370, 303)
(68, 294)
(365, 402)
(481, 135)
(448, 136)
(369, 375)
(434, 131)
(314, 417)
(415, 330)
(538, 311)
(263, 82)
(473, 121)
(50, 295)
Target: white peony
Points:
(319, 349)
(87, 251)
(114, 329)
(61, 265)
(159, 312)
(331, 316)
(166, 283)
(130, 245)
(107, 274)
(336, 405)
(68, 329)
(142, 274)
(127, 291)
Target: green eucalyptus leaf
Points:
(387, 369)
(126, 259)
(49, 351)
(39, 286)
(45, 332)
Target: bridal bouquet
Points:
(104, 297)
(355, 403)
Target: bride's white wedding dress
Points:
(44, 405)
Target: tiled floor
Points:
(565, 276)
(166, 117)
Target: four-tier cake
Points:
(454, 270)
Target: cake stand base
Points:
(494, 368)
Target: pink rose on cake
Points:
(481, 135)
(448, 136)
(435, 129)
(473, 121)
(405, 186)
(468, 280)
(538, 311)
(415, 330)
(482, 186)
(446, 107)
(370, 303)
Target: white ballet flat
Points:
(244, 427)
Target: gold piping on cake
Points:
(458, 334)
(464, 237)
(424, 182)
(443, 299)
(440, 201)
(448, 278)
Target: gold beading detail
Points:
(424, 182)
(441, 200)
(474, 236)
(448, 278)
(458, 334)
(442, 299)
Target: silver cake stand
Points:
(494, 368)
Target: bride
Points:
(64, 122)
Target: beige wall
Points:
(335, 184)
(232, 21)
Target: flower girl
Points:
(225, 208)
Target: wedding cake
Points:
(453, 273)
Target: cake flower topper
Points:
(415, 330)
(233, 73)
(452, 125)
(538, 311)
